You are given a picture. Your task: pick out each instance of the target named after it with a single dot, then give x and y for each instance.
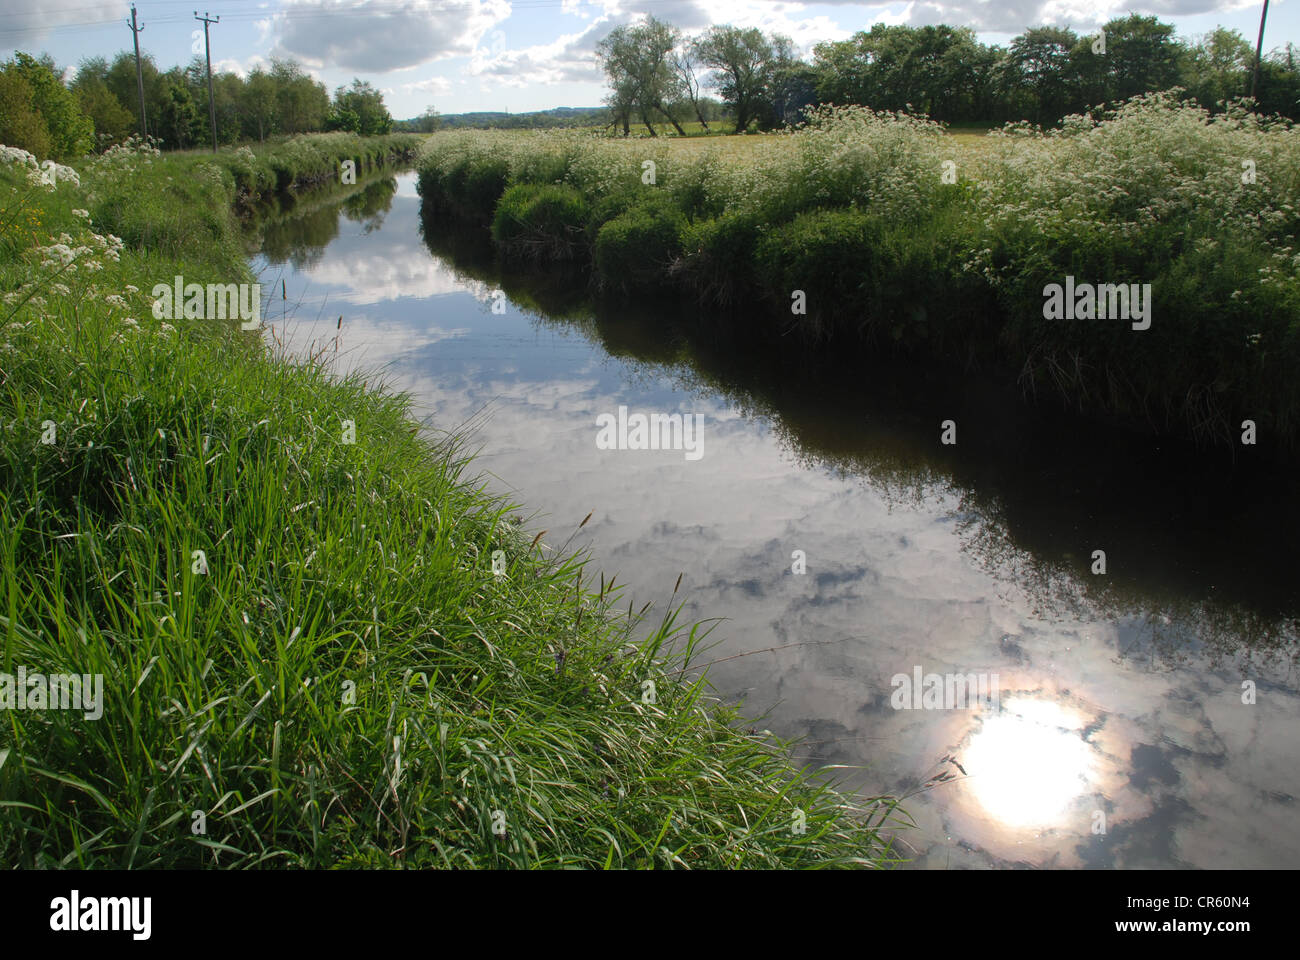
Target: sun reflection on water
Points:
(1028, 762)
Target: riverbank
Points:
(321, 641)
(880, 233)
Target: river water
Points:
(1144, 716)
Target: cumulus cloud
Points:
(572, 57)
(25, 25)
(1016, 16)
(377, 37)
(434, 85)
(241, 68)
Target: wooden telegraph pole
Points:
(139, 76)
(207, 49)
(1259, 50)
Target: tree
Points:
(20, 125)
(302, 104)
(228, 92)
(1219, 67)
(180, 116)
(1141, 55)
(1279, 83)
(113, 122)
(343, 119)
(939, 70)
(365, 103)
(70, 132)
(258, 104)
(637, 60)
(1037, 64)
(121, 80)
(621, 100)
(427, 122)
(683, 61)
(742, 62)
(793, 85)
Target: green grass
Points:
(694, 129)
(348, 682)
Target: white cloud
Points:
(377, 39)
(572, 57)
(1016, 16)
(25, 25)
(434, 85)
(569, 57)
(241, 67)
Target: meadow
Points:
(323, 642)
(901, 236)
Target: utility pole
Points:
(207, 49)
(1259, 50)
(139, 77)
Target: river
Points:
(1146, 716)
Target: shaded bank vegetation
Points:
(902, 239)
(1200, 553)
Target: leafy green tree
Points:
(1141, 55)
(637, 59)
(228, 91)
(180, 116)
(1279, 83)
(113, 122)
(932, 69)
(1219, 67)
(685, 67)
(302, 104)
(258, 104)
(621, 99)
(366, 104)
(71, 133)
(1037, 69)
(120, 79)
(20, 125)
(343, 119)
(743, 63)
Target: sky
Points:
(520, 55)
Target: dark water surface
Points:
(1119, 738)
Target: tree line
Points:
(101, 105)
(655, 73)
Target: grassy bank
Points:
(307, 656)
(903, 237)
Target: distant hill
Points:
(537, 119)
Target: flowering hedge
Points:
(897, 234)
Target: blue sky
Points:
(518, 55)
